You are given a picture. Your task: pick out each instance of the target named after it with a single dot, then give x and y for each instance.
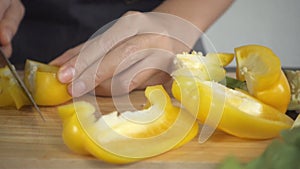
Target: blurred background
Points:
(273, 23)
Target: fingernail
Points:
(66, 74)
(78, 88)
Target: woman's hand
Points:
(11, 14)
(137, 51)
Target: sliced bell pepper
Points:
(261, 69)
(242, 115)
(222, 58)
(11, 93)
(41, 81)
(209, 67)
(43, 84)
(129, 136)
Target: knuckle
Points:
(133, 13)
(136, 18)
(127, 55)
(130, 48)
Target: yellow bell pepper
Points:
(43, 84)
(261, 69)
(221, 58)
(129, 136)
(11, 93)
(209, 67)
(241, 115)
(41, 81)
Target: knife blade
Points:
(5, 62)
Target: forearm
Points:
(201, 13)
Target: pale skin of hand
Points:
(11, 14)
(201, 13)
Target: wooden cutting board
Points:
(26, 142)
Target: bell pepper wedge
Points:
(129, 136)
(261, 69)
(209, 67)
(11, 93)
(222, 58)
(42, 82)
(242, 115)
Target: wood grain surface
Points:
(26, 142)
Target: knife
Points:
(5, 62)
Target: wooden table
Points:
(26, 142)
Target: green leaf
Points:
(282, 153)
(231, 163)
